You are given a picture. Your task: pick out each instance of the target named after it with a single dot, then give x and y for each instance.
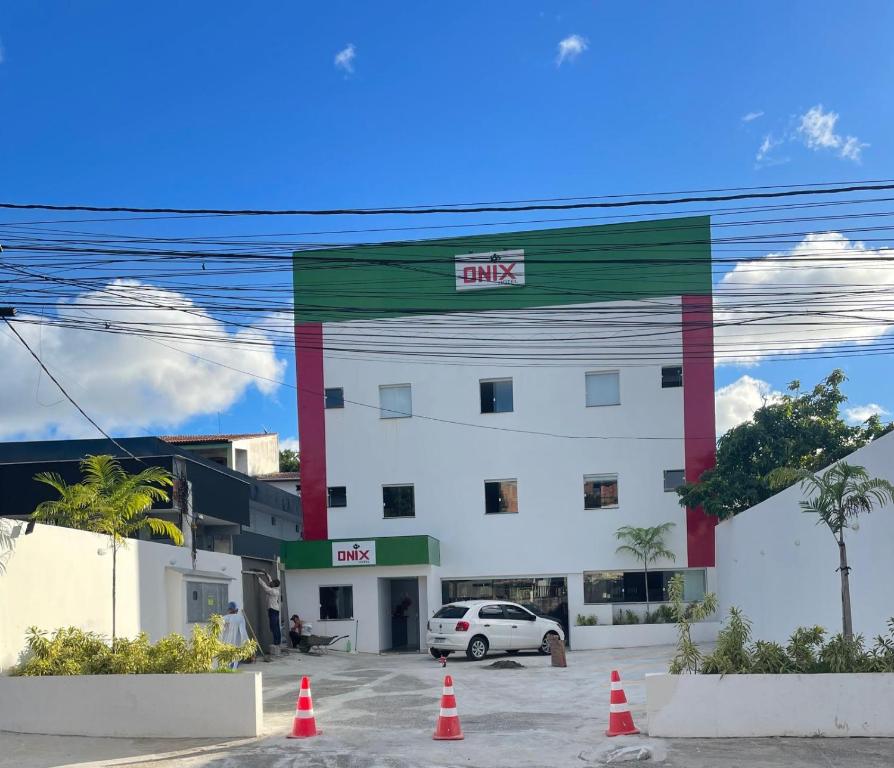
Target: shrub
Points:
(625, 617)
(586, 621)
(72, 651)
(806, 652)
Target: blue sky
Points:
(230, 104)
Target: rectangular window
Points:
(630, 586)
(603, 388)
(672, 376)
(500, 497)
(336, 603)
(600, 491)
(395, 401)
(673, 479)
(338, 496)
(204, 599)
(335, 397)
(398, 501)
(496, 395)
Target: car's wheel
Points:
(544, 646)
(477, 649)
(438, 653)
(512, 652)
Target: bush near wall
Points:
(808, 651)
(72, 651)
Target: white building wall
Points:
(370, 593)
(448, 463)
(56, 577)
(777, 565)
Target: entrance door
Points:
(403, 613)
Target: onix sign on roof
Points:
(353, 553)
(492, 269)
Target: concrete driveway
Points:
(381, 711)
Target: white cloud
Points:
(736, 403)
(288, 444)
(825, 291)
(747, 118)
(344, 59)
(817, 131)
(128, 384)
(767, 145)
(859, 413)
(570, 48)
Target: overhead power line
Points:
(458, 207)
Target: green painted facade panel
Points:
(390, 550)
(577, 265)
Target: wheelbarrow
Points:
(306, 643)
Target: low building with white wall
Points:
(58, 577)
(518, 421)
(780, 567)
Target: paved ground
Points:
(379, 712)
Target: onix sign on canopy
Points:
(353, 553)
(492, 269)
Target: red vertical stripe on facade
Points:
(312, 429)
(698, 418)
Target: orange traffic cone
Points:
(304, 725)
(620, 721)
(448, 728)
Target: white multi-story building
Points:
(475, 432)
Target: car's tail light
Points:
(462, 626)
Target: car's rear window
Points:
(451, 612)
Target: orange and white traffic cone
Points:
(304, 725)
(620, 721)
(448, 728)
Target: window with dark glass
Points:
(338, 496)
(335, 397)
(500, 497)
(672, 376)
(600, 491)
(398, 501)
(336, 603)
(496, 396)
(673, 479)
(518, 614)
(630, 586)
(490, 612)
(451, 612)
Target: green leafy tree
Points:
(646, 545)
(289, 461)
(837, 497)
(803, 430)
(109, 501)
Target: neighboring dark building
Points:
(231, 512)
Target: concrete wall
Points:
(777, 565)
(163, 706)
(702, 706)
(59, 577)
(263, 454)
(638, 635)
(370, 592)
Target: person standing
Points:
(234, 631)
(271, 589)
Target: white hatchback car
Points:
(479, 626)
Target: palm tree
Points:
(646, 545)
(109, 501)
(837, 497)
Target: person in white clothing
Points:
(271, 588)
(234, 631)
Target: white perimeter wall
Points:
(552, 534)
(56, 578)
(779, 567)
